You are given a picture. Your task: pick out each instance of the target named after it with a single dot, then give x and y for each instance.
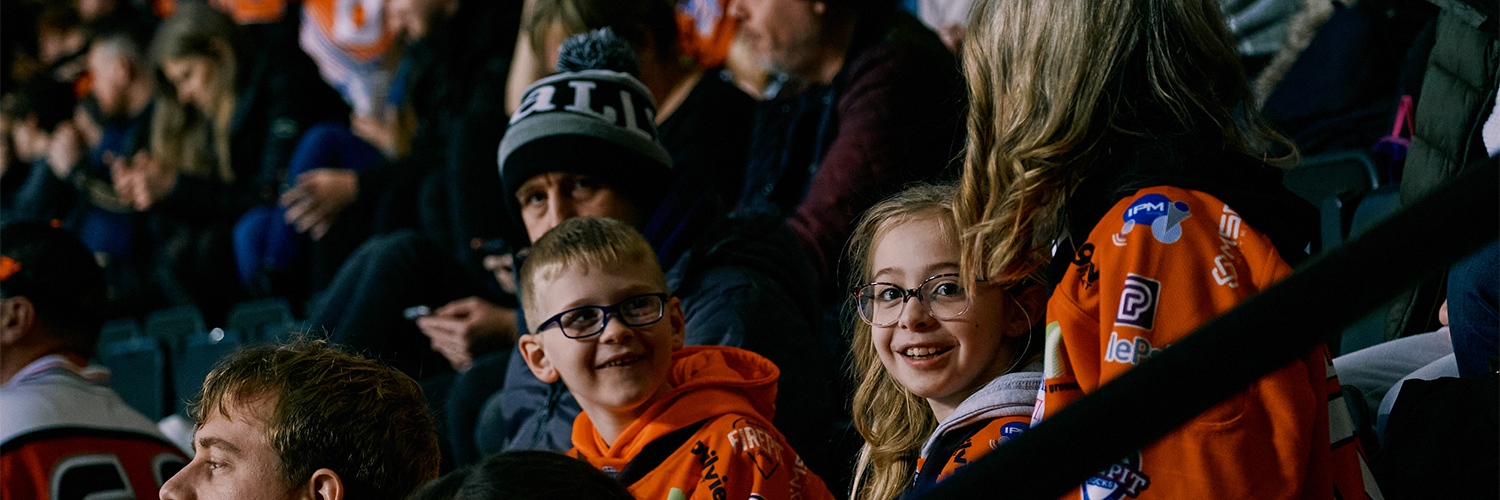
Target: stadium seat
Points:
(116, 330)
(1372, 208)
(171, 325)
(195, 357)
(138, 373)
(1334, 183)
(260, 320)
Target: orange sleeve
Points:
(1161, 263)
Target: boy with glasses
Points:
(667, 421)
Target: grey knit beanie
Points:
(591, 118)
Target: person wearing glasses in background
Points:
(667, 421)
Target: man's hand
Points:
(320, 196)
(141, 181)
(30, 140)
(504, 268)
(65, 150)
(467, 328)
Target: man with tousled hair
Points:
(306, 420)
(63, 432)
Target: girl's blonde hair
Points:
(893, 421)
(183, 138)
(1057, 86)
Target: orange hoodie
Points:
(1162, 262)
(735, 453)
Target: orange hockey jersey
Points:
(986, 437)
(1162, 262)
(722, 401)
(994, 414)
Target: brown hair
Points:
(183, 138)
(636, 21)
(1053, 85)
(355, 416)
(595, 242)
(893, 421)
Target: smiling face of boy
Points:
(617, 374)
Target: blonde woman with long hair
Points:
(1115, 139)
(946, 367)
(232, 103)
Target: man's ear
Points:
(536, 358)
(325, 484)
(1032, 302)
(820, 8)
(17, 315)
(678, 320)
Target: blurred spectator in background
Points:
(1333, 82)
(64, 432)
(223, 130)
(30, 116)
(71, 183)
(355, 50)
(883, 105)
(452, 82)
(355, 53)
(949, 18)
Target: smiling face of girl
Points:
(941, 360)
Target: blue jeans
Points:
(263, 241)
(1472, 287)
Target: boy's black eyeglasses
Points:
(588, 321)
(881, 304)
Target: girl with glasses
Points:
(947, 367)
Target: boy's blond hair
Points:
(595, 242)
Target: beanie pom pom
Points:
(597, 49)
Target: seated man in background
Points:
(63, 432)
(305, 420)
(875, 102)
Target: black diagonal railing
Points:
(1226, 355)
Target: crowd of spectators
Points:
(385, 166)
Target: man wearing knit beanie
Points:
(593, 120)
(582, 144)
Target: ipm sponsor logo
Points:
(1163, 215)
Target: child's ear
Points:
(678, 320)
(1032, 308)
(536, 358)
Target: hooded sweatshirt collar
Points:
(1012, 394)
(707, 382)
